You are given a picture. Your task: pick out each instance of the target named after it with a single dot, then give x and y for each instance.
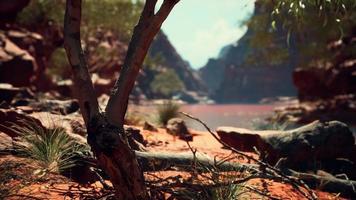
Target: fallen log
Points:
(309, 143)
(158, 161)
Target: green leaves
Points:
(301, 27)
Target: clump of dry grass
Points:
(167, 111)
(52, 148)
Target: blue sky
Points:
(200, 28)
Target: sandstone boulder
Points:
(9, 117)
(10, 8)
(17, 67)
(149, 126)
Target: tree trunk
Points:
(106, 134)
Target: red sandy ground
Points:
(59, 187)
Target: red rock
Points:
(10, 8)
(10, 117)
(17, 67)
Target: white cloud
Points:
(207, 43)
(200, 28)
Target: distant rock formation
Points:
(162, 46)
(232, 77)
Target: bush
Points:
(53, 148)
(59, 66)
(167, 111)
(166, 83)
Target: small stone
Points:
(177, 126)
(150, 127)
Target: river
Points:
(239, 115)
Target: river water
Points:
(239, 115)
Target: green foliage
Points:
(119, 16)
(52, 148)
(303, 28)
(167, 83)
(167, 111)
(153, 62)
(39, 11)
(298, 12)
(59, 67)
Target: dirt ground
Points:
(18, 174)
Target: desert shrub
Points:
(167, 111)
(166, 83)
(59, 66)
(52, 148)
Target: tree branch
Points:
(267, 167)
(83, 86)
(144, 32)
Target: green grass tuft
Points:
(53, 149)
(167, 111)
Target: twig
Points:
(259, 192)
(294, 182)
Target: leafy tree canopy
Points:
(285, 28)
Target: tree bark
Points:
(83, 86)
(144, 32)
(106, 134)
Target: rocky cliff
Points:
(246, 72)
(163, 47)
(36, 50)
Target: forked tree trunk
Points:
(106, 134)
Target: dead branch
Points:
(274, 171)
